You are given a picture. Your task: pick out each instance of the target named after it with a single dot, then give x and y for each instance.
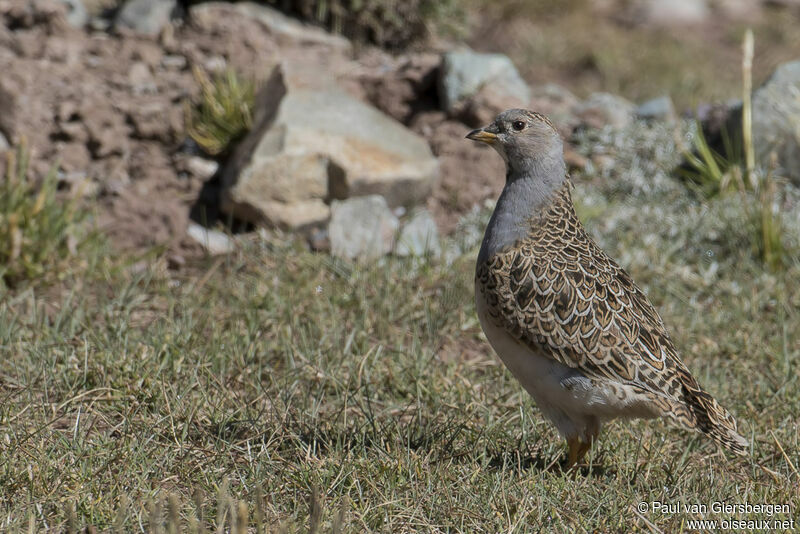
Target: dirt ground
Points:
(109, 110)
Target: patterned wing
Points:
(560, 294)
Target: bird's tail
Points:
(702, 412)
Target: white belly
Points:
(563, 394)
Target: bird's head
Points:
(526, 140)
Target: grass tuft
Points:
(39, 232)
(712, 174)
(223, 113)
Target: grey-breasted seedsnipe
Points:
(570, 323)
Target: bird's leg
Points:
(592, 430)
(579, 447)
(573, 455)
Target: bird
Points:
(568, 322)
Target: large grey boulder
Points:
(480, 85)
(312, 143)
(362, 228)
(147, 17)
(776, 120)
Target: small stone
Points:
(175, 261)
(173, 62)
(605, 109)
(215, 64)
(660, 108)
(480, 85)
(362, 228)
(147, 17)
(77, 16)
(201, 167)
(670, 13)
(319, 240)
(419, 236)
(141, 79)
(213, 241)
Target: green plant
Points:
(766, 219)
(223, 112)
(769, 227)
(712, 174)
(706, 171)
(39, 232)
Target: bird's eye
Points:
(518, 125)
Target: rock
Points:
(660, 108)
(419, 236)
(147, 17)
(670, 13)
(319, 241)
(298, 215)
(362, 228)
(173, 62)
(776, 120)
(76, 15)
(141, 79)
(3, 143)
(201, 167)
(310, 145)
(605, 109)
(480, 85)
(400, 87)
(213, 241)
(284, 28)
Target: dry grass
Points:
(242, 378)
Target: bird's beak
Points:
(482, 135)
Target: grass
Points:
(40, 233)
(711, 174)
(223, 112)
(274, 373)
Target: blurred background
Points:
(140, 105)
(237, 245)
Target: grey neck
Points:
(527, 193)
